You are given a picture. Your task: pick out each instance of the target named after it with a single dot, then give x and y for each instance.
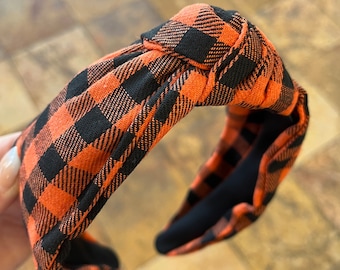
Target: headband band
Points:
(78, 151)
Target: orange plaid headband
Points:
(78, 151)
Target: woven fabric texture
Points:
(79, 150)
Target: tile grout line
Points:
(317, 208)
(239, 254)
(154, 10)
(317, 4)
(18, 76)
(9, 57)
(305, 79)
(308, 194)
(316, 151)
(87, 32)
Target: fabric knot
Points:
(245, 69)
(199, 34)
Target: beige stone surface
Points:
(28, 265)
(324, 122)
(320, 176)
(218, 256)
(123, 25)
(2, 54)
(169, 8)
(17, 107)
(87, 10)
(49, 65)
(25, 22)
(330, 8)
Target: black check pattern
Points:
(51, 163)
(195, 45)
(92, 125)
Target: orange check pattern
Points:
(79, 150)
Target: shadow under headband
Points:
(79, 150)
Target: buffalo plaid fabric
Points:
(79, 150)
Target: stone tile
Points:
(331, 9)
(218, 256)
(324, 123)
(328, 80)
(252, 6)
(246, 8)
(86, 10)
(24, 22)
(16, 106)
(123, 25)
(2, 54)
(48, 66)
(166, 9)
(27, 265)
(292, 234)
(320, 177)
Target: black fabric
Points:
(238, 188)
(85, 252)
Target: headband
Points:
(79, 150)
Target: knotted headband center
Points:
(242, 63)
